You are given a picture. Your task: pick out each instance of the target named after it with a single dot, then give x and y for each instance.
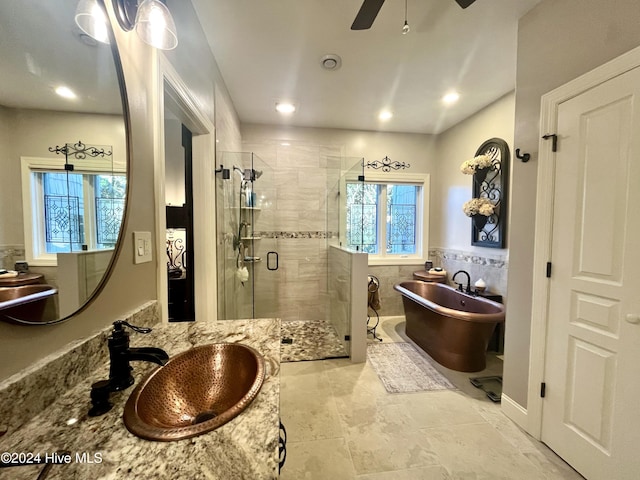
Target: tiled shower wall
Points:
(9, 254)
(296, 227)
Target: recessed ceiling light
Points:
(65, 92)
(285, 144)
(285, 107)
(385, 115)
(451, 97)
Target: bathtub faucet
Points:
(468, 289)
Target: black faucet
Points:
(120, 354)
(468, 289)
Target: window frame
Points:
(33, 201)
(422, 221)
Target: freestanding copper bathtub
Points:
(26, 302)
(452, 327)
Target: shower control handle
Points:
(272, 257)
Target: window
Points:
(70, 211)
(387, 219)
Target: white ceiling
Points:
(41, 48)
(270, 50)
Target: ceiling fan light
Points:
(92, 20)
(155, 26)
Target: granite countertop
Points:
(244, 448)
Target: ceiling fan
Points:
(370, 8)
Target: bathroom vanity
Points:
(101, 447)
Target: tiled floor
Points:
(342, 424)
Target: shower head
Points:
(248, 174)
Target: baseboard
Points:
(515, 411)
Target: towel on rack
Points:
(373, 297)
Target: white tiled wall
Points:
(295, 227)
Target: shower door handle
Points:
(272, 257)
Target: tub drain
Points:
(204, 416)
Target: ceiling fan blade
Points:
(465, 3)
(367, 14)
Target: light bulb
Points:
(155, 26)
(91, 19)
(406, 28)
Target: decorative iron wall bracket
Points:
(79, 151)
(386, 164)
(492, 185)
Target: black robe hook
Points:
(524, 157)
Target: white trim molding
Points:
(550, 103)
(422, 180)
(173, 93)
(516, 412)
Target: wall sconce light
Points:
(92, 20)
(151, 19)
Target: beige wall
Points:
(31, 134)
(557, 41)
(10, 193)
(413, 148)
(450, 227)
(130, 285)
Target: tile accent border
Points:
(300, 234)
(495, 261)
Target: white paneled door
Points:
(591, 409)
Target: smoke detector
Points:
(331, 62)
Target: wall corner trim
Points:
(515, 412)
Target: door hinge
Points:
(548, 269)
(543, 389)
(554, 137)
(347, 338)
(361, 178)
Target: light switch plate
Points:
(142, 247)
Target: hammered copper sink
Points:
(195, 392)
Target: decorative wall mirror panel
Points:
(60, 220)
(491, 184)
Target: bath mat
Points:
(402, 369)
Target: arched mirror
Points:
(63, 155)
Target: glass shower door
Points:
(244, 219)
(266, 259)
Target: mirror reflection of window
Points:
(110, 193)
(76, 211)
(63, 211)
